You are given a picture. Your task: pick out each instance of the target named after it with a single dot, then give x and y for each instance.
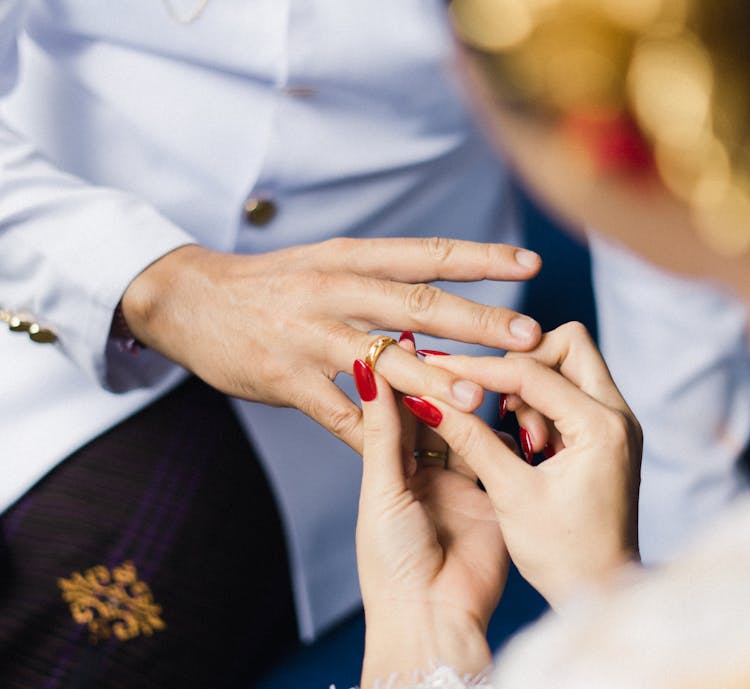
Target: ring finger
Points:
(407, 374)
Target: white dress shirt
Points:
(126, 134)
(678, 350)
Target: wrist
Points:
(557, 593)
(148, 309)
(402, 644)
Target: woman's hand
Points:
(432, 562)
(278, 327)
(572, 519)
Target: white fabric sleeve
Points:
(678, 350)
(69, 249)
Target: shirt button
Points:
(304, 91)
(41, 335)
(259, 211)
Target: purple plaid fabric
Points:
(152, 557)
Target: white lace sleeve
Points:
(442, 677)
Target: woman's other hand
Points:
(572, 519)
(432, 562)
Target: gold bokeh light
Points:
(680, 69)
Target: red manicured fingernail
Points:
(423, 410)
(528, 450)
(364, 379)
(407, 335)
(431, 352)
(503, 405)
(548, 451)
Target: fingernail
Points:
(431, 352)
(528, 450)
(364, 379)
(423, 410)
(503, 405)
(522, 327)
(548, 451)
(527, 259)
(407, 335)
(466, 394)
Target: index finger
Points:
(568, 349)
(409, 375)
(426, 259)
(489, 456)
(574, 412)
(571, 350)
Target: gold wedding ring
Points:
(438, 456)
(376, 349)
(432, 454)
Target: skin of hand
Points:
(571, 520)
(278, 327)
(432, 562)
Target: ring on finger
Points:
(377, 346)
(439, 456)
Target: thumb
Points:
(383, 468)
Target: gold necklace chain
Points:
(189, 19)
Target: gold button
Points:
(41, 335)
(259, 211)
(18, 325)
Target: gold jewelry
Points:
(442, 456)
(18, 323)
(376, 349)
(189, 19)
(432, 454)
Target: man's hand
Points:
(278, 327)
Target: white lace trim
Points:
(442, 677)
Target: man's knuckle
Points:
(320, 281)
(329, 338)
(343, 421)
(334, 332)
(275, 376)
(486, 319)
(439, 249)
(421, 298)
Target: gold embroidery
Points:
(112, 602)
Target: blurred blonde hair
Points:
(678, 70)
